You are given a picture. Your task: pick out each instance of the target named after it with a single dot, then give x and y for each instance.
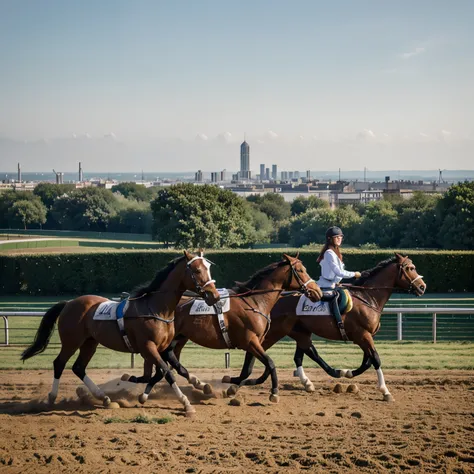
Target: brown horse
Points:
(369, 293)
(148, 324)
(247, 321)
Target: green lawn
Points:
(394, 355)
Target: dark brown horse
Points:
(148, 324)
(369, 294)
(247, 321)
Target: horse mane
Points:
(366, 274)
(257, 277)
(160, 277)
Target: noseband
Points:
(303, 285)
(207, 264)
(403, 266)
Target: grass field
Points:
(398, 355)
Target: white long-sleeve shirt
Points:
(332, 270)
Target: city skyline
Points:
(154, 84)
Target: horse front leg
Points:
(151, 354)
(170, 357)
(367, 345)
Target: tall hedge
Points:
(76, 274)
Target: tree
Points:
(49, 192)
(28, 212)
(302, 204)
(7, 199)
(84, 209)
(455, 217)
(273, 205)
(131, 216)
(133, 191)
(193, 216)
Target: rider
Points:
(330, 259)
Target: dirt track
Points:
(429, 427)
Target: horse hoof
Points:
(207, 389)
(106, 401)
(113, 406)
(347, 373)
(232, 390)
(125, 377)
(143, 398)
(51, 398)
(309, 387)
(226, 379)
(352, 388)
(274, 398)
(190, 411)
(388, 398)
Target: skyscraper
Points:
(262, 172)
(274, 172)
(244, 160)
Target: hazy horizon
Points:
(167, 85)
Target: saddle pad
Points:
(107, 311)
(306, 307)
(200, 307)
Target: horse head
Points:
(198, 274)
(300, 280)
(408, 278)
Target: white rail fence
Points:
(434, 311)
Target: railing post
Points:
(133, 361)
(227, 360)
(434, 328)
(399, 327)
(7, 332)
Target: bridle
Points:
(207, 263)
(303, 285)
(403, 272)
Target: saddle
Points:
(340, 302)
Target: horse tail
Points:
(45, 330)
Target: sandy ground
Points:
(428, 428)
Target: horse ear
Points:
(187, 255)
(297, 255)
(287, 257)
(201, 252)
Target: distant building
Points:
(267, 174)
(245, 161)
(274, 172)
(198, 176)
(262, 171)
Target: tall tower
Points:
(262, 172)
(19, 173)
(274, 172)
(245, 160)
(81, 177)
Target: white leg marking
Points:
(94, 389)
(182, 397)
(195, 382)
(308, 385)
(54, 391)
(381, 382)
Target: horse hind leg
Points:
(59, 364)
(86, 352)
(299, 372)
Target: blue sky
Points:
(355, 82)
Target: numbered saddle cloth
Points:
(110, 310)
(200, 307)
(306, 307)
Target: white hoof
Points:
(347, 373)
(309, 387)
(106, 401)
(143, 398)
(388, 398)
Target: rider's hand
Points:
(357, 275)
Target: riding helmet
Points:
(333, 231)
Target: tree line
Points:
(187, 215)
